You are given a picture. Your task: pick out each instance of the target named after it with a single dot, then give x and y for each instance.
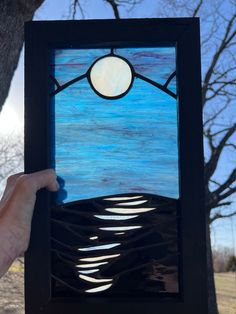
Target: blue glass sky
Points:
(105, 147)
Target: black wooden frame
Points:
(184, 34)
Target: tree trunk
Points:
(212, 303)
(13, 14)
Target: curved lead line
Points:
(91, 271)
(122, 198)
(121, 251)
(159, 261)
(89, 248)
(129, 210)
(120, 228)
(119, 233)
(93, 238)
(169, 79)
(161, 87)
(94, 280)
(99, 247)
(114, 217)
(98, 289)
(98, 258)
(90, 265)
(132, 203)
(93, 290)
(61, 87)
(66, 284)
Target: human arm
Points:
(16, 211)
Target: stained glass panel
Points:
(114, 224)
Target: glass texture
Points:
(114, 223)
(111, 76)
(104, 147)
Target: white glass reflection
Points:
(111, 76)
(117, 217)
(122, 198)
(91, 271)
(129, 210)
(99, 247)
(91, 265)
(120, 228)
(133, 203)
(95, 280)
(98, 258)
(98, 289)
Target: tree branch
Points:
(220, 215)
(226, 40)
(216, 151)
(231, 179)
(222, 74)
(222, 85)
(227, 194)
(114, 6)
(116, 3)
(214, 116)
(75, 4)
(215, 182)
(223, 204)
(198, 7)
(220, 132)
(231, 145)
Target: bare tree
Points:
(11, 156)
(13, 14)
(114, 4)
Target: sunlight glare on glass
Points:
(111, 76)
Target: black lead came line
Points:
(159, 260)
(116, 277)
(66, 284)
(161, 87)
(61, 87)
(55, 81)
(169, 79)
(114, 251)
(144, 78)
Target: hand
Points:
(16, 211)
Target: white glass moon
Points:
(111, 76)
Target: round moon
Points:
(111, 76)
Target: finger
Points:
(22, 198)
(10, 185)
(40, 179)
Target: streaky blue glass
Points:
(128, 145)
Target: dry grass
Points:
(12, 295)
(12, 290)
(226, 292)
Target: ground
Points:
(12, 293)
(226, 292)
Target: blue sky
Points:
(224, 231)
